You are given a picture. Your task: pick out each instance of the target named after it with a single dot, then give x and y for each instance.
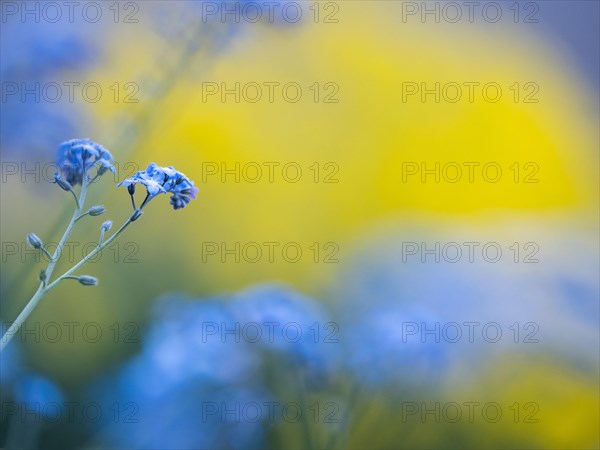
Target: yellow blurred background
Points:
(363, 143)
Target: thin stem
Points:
(14, 328)
(344, 429)
(68, 231)
(43, 287)
(46, 252)
(145, 201)
(133, 202)
(300, 385)
(76, 199)
(82, 215)
(89, 256)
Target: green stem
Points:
(68, 231)
(89, 256)
(16, 325)
(43, 288)
(46, 252)
(82, 216)
(76, 200)
(300, 386)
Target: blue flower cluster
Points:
(311, 340)
(393, 314)
(162, 180)
(77, 156)
(26, 387)
(39, 53)
(203, 362)
(418, 322)
(385, 346)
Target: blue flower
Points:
(40, 54)
(390, 344)
(34, 392)
(77, 156)
(185, 342)
(162, 180)
(39, 393)
(192, 415)
(185, 370)
(294, 327)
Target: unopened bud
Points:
(96, 210)
(34, 241)
(42, 275)
(131, 189)
(64, 184)
(87, 280)
(107, 225)
(102, 170)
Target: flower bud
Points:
(101, 170)
(87, 280)
(64, 184)
(96, 210)
(131, 189)
(42, 275)
(107, 225)
(34, 241)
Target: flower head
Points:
(77, 156)
(162, 180)
(31, 390)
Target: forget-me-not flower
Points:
(162, 180)
(77, 156)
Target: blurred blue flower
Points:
(293, 326)
(184, 365)
(278, 12)
(200, 381)
(32, 391)
(38, 393)
(395, 343)
(35, 54)
(43, 48)
(77, 156)
(475, 309)
(187, 341)
(187, 416)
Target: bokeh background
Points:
(379, 363)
